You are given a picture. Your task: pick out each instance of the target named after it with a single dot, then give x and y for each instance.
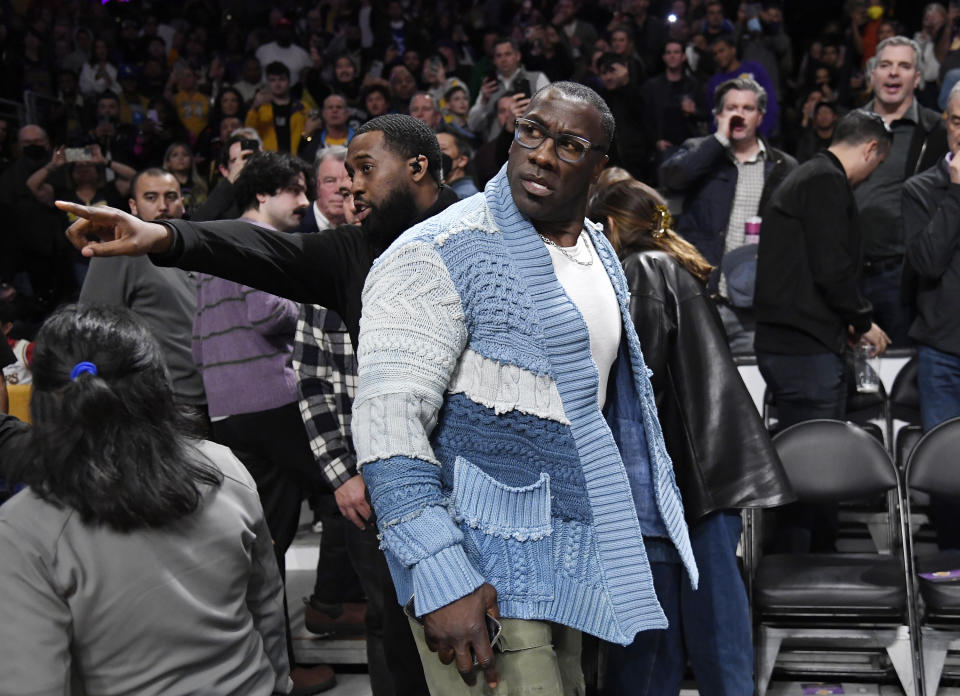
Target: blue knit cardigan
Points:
(479, 435)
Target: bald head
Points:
(33, 135)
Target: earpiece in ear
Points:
(415, 166)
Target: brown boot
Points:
(312, 680)
(346, 620)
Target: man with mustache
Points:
(395, 166)
(164, 298)
(242, 343)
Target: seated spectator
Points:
(402, 88)
(455, 114)
(546, 50)
(193, 107)
(934, 42)
(227, 115)
(674, 105)
(335, 114)
(622, 92)
(251, 79)
(818, 135)
(510, 77)
(93, 535)
(283, 50)
(425, 108)
(161, 129)
(375, 99)
(67, 118)
(277, 116)
(579, 34)
(730, 67)
(621, 43)
(98, 74)
(178, 160)
(493, 154)
(346, 80)
(133, 105)
(116, 138)
(436, 81)
(237, 148)
(648, 32)
(459, 152)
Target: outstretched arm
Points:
(301, 267)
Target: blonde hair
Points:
(641, 223)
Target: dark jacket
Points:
(808, 263)
(221, 204)
(702, 170)
(630, 148)
(721, 452)
(14, 436)
(929, 141)
(327, 269)
(931, 215)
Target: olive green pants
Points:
(534, 658)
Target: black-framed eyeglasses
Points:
(570, 148)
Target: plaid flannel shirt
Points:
(326, 369)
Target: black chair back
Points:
(904, 394)
(932, 467)
(830, 461)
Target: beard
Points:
(391, 218)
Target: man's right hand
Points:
(120, 233)
(954, 168)
(458, 631)
(351, 498)
(488, 88)
(878, 338)
(723, 123)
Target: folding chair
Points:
(932, 469)
(836, 601)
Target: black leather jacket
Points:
(722, 454)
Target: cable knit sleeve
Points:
(411, 335)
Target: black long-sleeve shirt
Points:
(808, 263)
(328, 269)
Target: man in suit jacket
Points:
(327, 210)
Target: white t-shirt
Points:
(589, 288)
(294, 57)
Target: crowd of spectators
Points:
(109, 89)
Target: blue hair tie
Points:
(82, 367)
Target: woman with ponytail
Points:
(722, 456)
(138, 559)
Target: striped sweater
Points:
(477, 428)
(242, 344)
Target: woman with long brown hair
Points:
(722, 456)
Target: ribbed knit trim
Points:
(442, 578)
(667, 493)
(627, 576)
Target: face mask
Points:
(35, 152)
(753, 24)
(772, 27)
(875, 12)
(447, 164)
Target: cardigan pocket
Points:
(507, 531)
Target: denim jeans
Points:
(805, 387)
(938, 381)
(709, 626)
